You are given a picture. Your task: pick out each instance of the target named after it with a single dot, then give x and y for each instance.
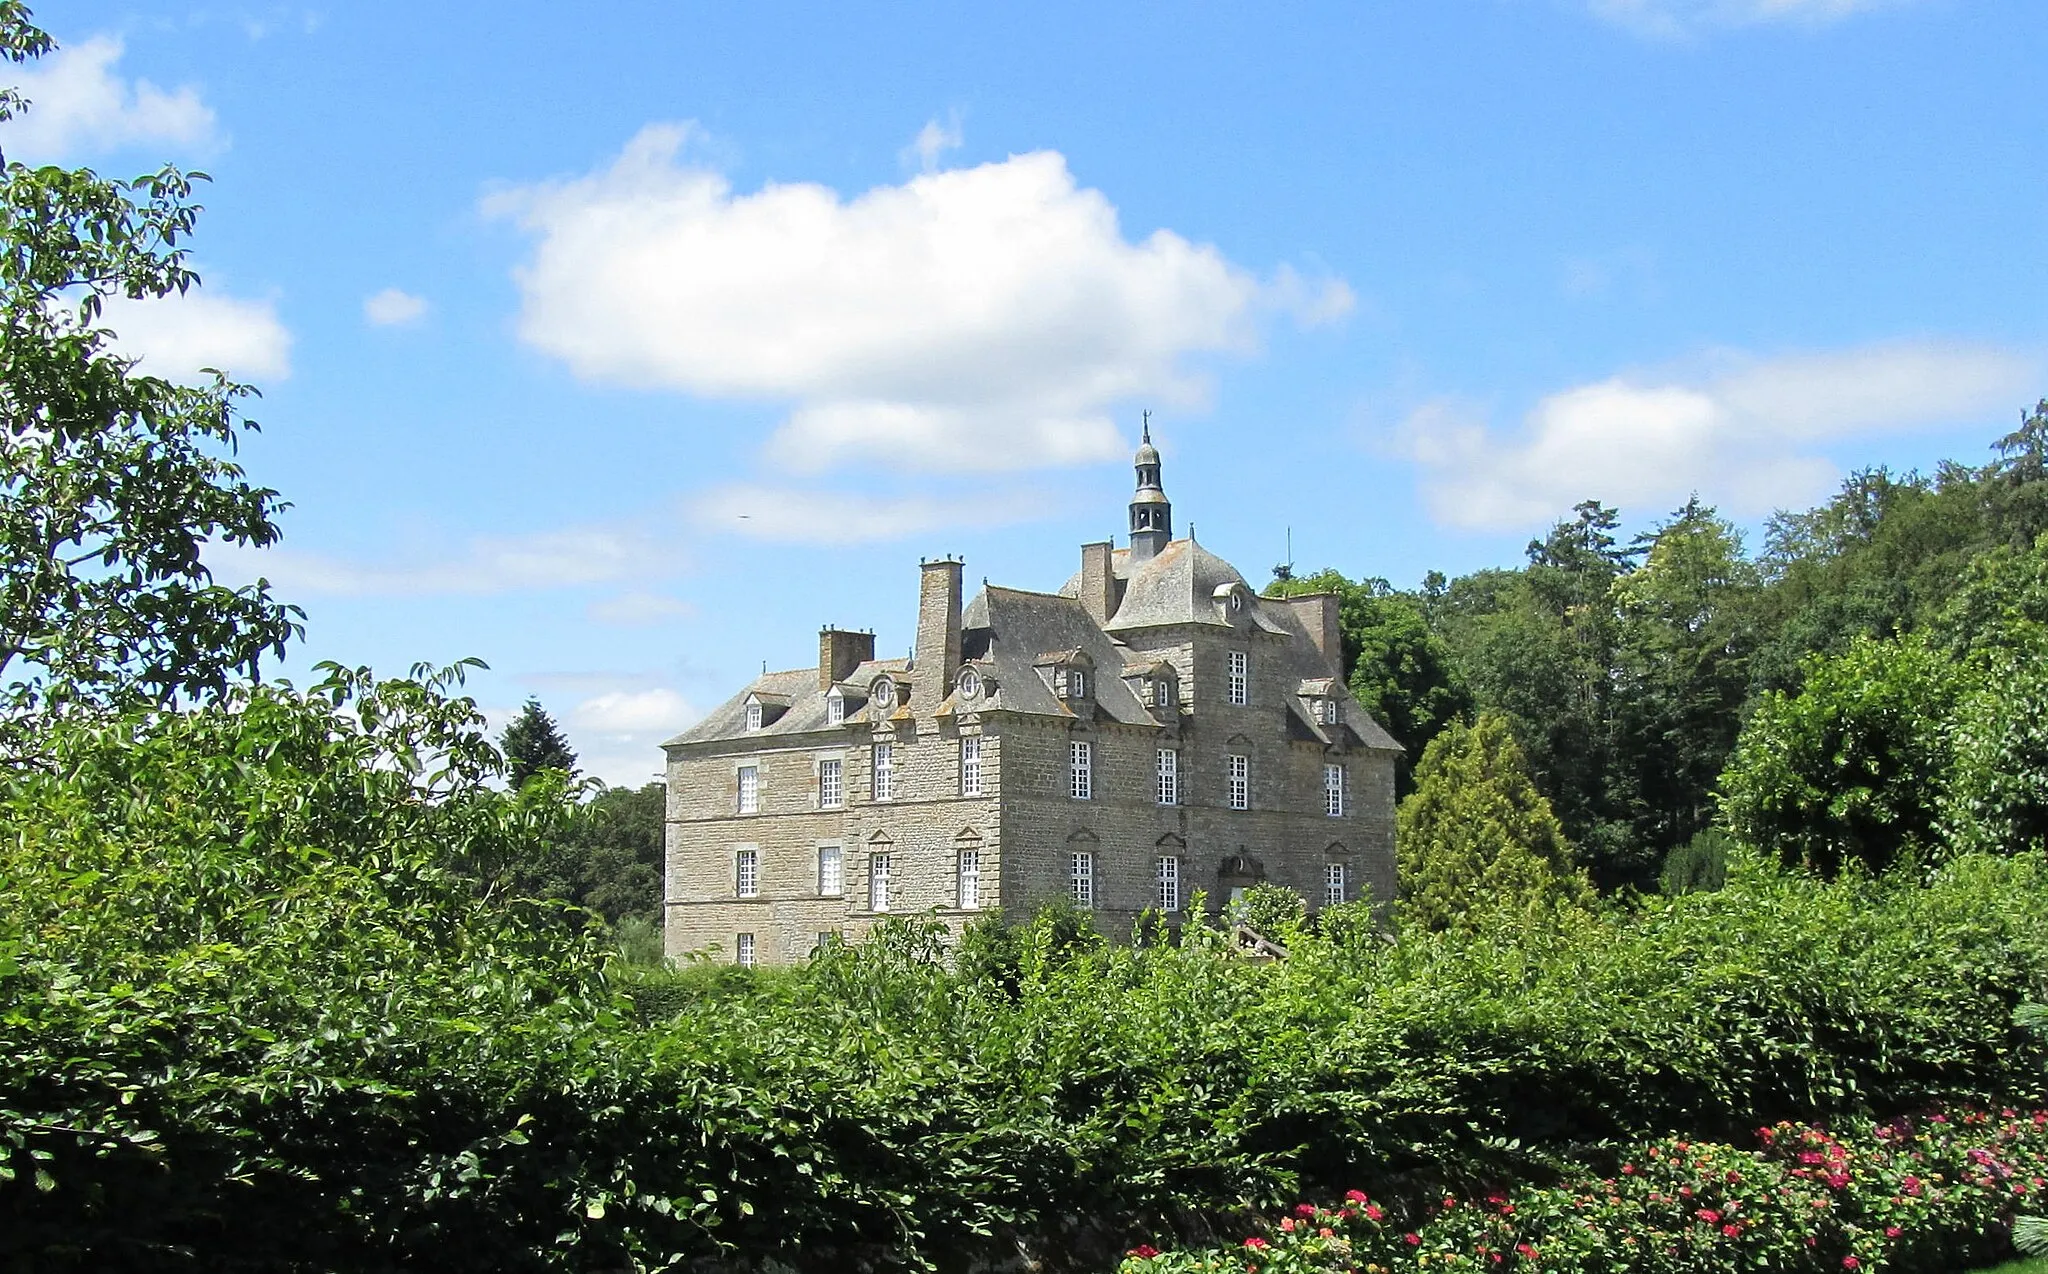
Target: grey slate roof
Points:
(806, 703)
(1175, 586)
(1010, 629)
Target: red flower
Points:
(1732, 1230)
(1304, 1209)
(1287, 1224)
(1412, 1240)
(1709, 1216)
(1892, 1231)
(1526, 1250)
(1628, 1170)
(1851, 1263)
(1144, 1251)
(1255, 1242)
(1373, 1213)
(1355, 1196)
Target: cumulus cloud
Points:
(394, 307)
(484, 565)
(618, 734)
(932, 141)
(80, 104)
(1745, 432)
(1668, 18)
(639, 610)
(793, 515)
(177, 336)
(976, 318)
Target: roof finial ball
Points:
(1151, 513)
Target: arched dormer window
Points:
(882, 694)
(969, 683)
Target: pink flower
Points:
(1526, 1250)
(1287, 1224)
(1373, 1213)
(1144, 1251)
(1628, 1170)
(1412, 1240)
(1304, 1209)
(1354, 1196)
(1255, 1243)
(1892, 1231)
(1851, 1263)
(1709, 1216)
(1732, 1230)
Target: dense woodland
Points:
(318, 978)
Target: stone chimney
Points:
(937, 653)
(840, 652)
(1098, 581)
(1318, 613)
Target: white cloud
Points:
(792, 515)
(79, 105)
(394, 308)
(932, 141)
(1673, 18)
(977, 318)
(1745, 432)
(574, 558)
(618, 734)
(639, 610)
(175, 336)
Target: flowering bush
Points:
(1916, 1194)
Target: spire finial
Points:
(1147, 428)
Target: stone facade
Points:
(1017, 756)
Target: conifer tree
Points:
(532, 743)
(1475, 839)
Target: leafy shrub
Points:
(1924, 1194)
(1271, 911)
(1700, 863)
(256, 1019)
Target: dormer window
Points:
(835, 707)
(883, 694)
(753, 714)
(1077, 684)
(969, 683)
(1326, 711)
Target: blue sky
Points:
(624, 347)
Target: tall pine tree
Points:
(532, 743)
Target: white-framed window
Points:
(1077, 684)
(1082, 786)
(743, 950)
(831, 783)
(1081, 878)
(750, 789)
(878, 881)
(1333, 883)
(753, 716)
(1333, 791)
(1162, 692)
(835, 707)
(970, 765)
(1239, 770)
(831, 875)
(1169, 776)
(746, 872)
(967, 879)
(885, 771)
(1240, 677)
(1166, 875)
(1329, 707)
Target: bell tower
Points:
(1151, 511)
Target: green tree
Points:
(532, 743)
(1475, 840)
(1851, 767)
(111, 482)
(1686, 632)
(615, 844)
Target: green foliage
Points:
(1349, 924)
(1851, 767)
(1274, 912)
(1476, 839)
(111, 482)
(532, 742)
(255, 1018)
(615, 847)
(639, 942)
(1995, 797)
(1699, 864)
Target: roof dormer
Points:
(763, 709)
